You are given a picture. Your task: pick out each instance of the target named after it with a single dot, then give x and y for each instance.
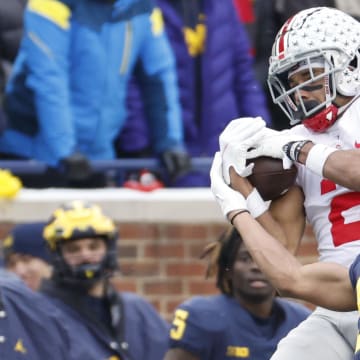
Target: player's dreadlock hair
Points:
(222, 255)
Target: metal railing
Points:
(19, 167)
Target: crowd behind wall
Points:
(190, 28)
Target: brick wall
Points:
(161, 261)
(159, 247)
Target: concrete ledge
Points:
(195, 205)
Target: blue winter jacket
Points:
(229, 87)
(68, 87)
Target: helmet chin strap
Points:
(322, 120)
(326, 116)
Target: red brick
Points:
(5, 229)
(162, 287)
(164, 250)
(183, 269)
(127, 251)
(206, 287)
(125, 285)
(140, 268)
(135, 231)
(171, 305)
(215, 230)
(186, 232)
(156, 304)
(194, 250)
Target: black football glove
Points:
(76, 167)
(177, 163)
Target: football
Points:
(270, 178)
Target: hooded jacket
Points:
(69, 82)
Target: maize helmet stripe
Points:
(75, 220)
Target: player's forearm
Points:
(273, 227)
(312, 283)
(341, 166)
(288, 212)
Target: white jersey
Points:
(332, 210)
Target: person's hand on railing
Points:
(76, 167)
(177, 163)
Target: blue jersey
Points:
(217, 327)
(138, 332)
(354, 273)
(30, 326)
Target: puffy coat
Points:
(11, 26)
(229, 89)
(69, 82)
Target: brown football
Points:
(270, 178)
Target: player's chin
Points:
(260, 289)
(258, 297)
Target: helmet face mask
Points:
(284, 95)
(317, 35)
(85, 275)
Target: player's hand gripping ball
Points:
(270, 178)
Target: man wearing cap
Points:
(26, 254)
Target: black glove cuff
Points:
(293, 148)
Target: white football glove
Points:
(238, 136)
(272, 143)
(227, 198)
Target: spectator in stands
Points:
(113, 325)
(65, 99)
(263, 20)
(215, 77)
(11, 25)
(244, 321)
(26, 254)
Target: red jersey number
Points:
(341, 231)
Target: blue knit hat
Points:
(27, 239)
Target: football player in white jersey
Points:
(314, 76)
(327, 284)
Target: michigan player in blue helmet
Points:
(113, 325)
(244, 321)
